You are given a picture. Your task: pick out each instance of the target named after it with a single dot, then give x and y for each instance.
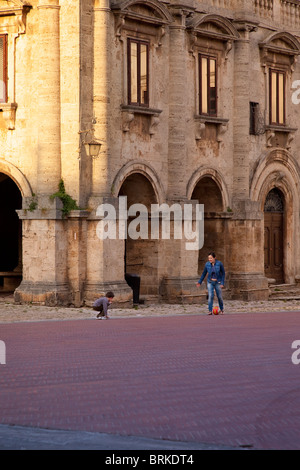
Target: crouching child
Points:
(101, 305)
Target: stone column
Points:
(45, 267)
(177, 107)
(77, 254)
(101, 274)
(179, 284)
(102, 54)
(45, 258)
(49, 145)
(246, 231)
(241, 114)
(105, 259)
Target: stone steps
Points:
(284, 292)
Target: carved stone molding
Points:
(128, 117)
(9, 114)
(147, 12)
(280, 136)
(278, 45)
(214, 28)
(129, 113)
(269, 137)
(220, 123)
(200, 130)
(13, 17)
(154, 121)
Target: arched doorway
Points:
(207, 192)
(274, 229)
(141, 255)
(10, 235)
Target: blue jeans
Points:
(211, 287)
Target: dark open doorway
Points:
(10, 235)
(141, 255)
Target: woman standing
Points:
(215, 281)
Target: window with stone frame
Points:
(279, 52)
(3, 68)
(277, 87)
(207, 85)
(138, 72)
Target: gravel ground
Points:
(10, 312)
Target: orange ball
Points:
(216, 310)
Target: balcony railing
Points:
(264, 8)
(290, 13)
(285, 13)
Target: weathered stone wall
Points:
(67, 71)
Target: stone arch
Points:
(215, 198)
(156, 10)
(274, 201)
(216, 177)
(141, 185)
(282, 41)
(225, 27)
(278, 169)
(13, 187)
(17, 176)
(144, 169)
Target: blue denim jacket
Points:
(219, 270)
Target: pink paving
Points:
(226, 380)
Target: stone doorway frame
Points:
(277, 169)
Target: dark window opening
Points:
(208, 85)
(257, 125)
(3, 68)
(277, 97)
(138, 72)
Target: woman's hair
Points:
(212, 254)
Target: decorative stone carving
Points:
(153, 14)
(278, 45)
(201, 121)
(153, 123)
(130, 111)
(269, 136)
(280, 136)
(128, 117)
(9, 114)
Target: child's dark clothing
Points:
(101, 305)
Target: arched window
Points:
(274, 201)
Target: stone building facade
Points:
(193, 102)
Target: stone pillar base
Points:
(248, 287)
(123, 293)
(42, 293)
(179, 290)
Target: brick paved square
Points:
(220, 380)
